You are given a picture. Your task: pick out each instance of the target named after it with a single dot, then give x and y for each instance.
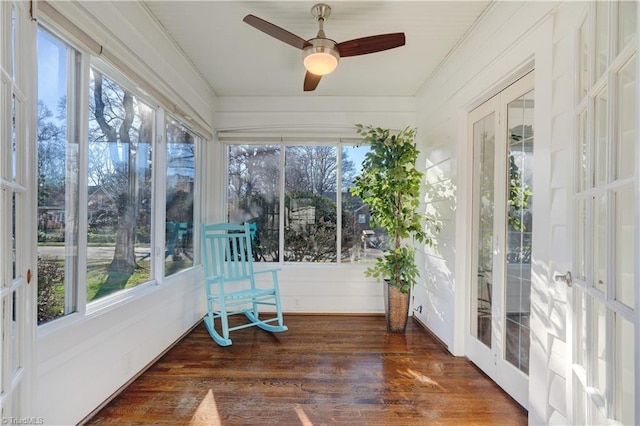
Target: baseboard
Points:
(431, 333)
(342, 314)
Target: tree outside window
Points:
(321, 223)
(119, 188)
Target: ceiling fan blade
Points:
(311, 81)
(275, 31)
(371, 44)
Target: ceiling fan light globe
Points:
(321, 58)
(320, 63)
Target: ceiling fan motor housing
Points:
(321, 11)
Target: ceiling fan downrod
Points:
(321, 12)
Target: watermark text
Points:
(22, 421)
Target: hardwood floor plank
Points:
(325, 370)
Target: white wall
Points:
(317, 114)
(511, 36)
(80, 361)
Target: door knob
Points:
(566, 278)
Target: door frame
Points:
(491, 360)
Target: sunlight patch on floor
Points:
(421, 378)
(302, 416)
(207, 412)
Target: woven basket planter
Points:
(396, 308)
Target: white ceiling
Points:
(238, 60)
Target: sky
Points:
(52, 70)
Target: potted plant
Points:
(390, 185)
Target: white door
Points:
(503, 154)
(16, 293)
(604, 313)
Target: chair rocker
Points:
(230, 282)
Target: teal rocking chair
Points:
(230, 282)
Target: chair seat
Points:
(246, 294)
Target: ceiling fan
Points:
(321, 54)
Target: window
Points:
(180, 194)
(320, 222)
(310, 204)
(102, 149)
(57, 147)
(119, 188)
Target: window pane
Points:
(180, 193)
(253, 195)
(360, 242)
(310, 221)
(624, 246)
(57, 180)
(627, 21)
(119, 188)
(626, 116)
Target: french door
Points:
(604, 296)
(502, 137)
(16, 290)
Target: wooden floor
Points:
(326, 370)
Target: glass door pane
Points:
(626, 134)
(599, 238)
(624, 371)
(600, 148)
(602, 37)
(624, 252)
(627, 22)
(519, 230)
(484, 157)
